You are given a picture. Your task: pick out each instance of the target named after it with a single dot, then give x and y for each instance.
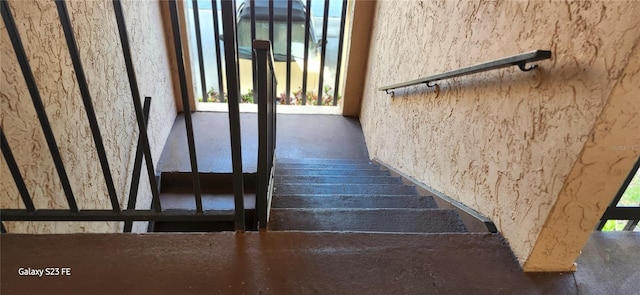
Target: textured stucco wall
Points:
(100, 50)
(502, 142)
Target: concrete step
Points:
(312, 161)
(212, 183)
(331, 172)
(326, 179)
(367, 220)
(194, 226)
(210, 202)
(347, 189)
(353, 201)
(221, 203)
(328, 166)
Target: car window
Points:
(279, 39)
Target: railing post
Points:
(266, 129)
(203, 78)
(287, 96)
(340, 48)
(307, 24)
(231, 63)
(252, 5)
(216, 38)
(323, 52)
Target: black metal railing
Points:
(233, 86)
(143, 149)
(266, 85)
(283, 20)
(177, 42)
(629, 214)
(519, 60)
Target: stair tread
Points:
(353, 201)
(387, 189)
(322, 160)
(186, 201)
(367, 220)
(332, 172)
(363, 166)
(327, 179)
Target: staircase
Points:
(318, 195)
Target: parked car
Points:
(298, 17)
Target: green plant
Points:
(213, 95)
(312, 97)
(248, 97)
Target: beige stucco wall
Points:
(358, 31)
(100, 50)
(504, 142)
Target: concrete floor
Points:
(298, 136)
(306, 263)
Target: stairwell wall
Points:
(101, 54)
(507, 143)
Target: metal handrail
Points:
(266, 94)
(519, 60)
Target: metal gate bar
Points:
(37, 103)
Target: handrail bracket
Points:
(523, 67)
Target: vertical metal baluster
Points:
(137, 169)
(252, 3)
(203, 78)
(135, 93)
(274, 93)
(37, 102)
(289, 25)
(325, 21)
(271, 21)
(177, 42)
(266, 115)
(15, 172)
(231, 63)
(343, 18)
(235, 31)
(216, 38)
(307, 29)
(631, 225)
(260, 57)
(87, 101)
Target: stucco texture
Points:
(101, 54)
(504, 142)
